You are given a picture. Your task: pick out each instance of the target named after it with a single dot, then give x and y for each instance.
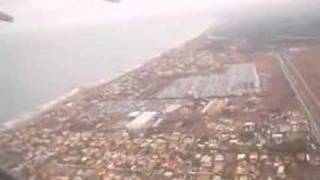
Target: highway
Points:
(309, 102)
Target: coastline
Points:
(59, 68)
(30, 116)
(194, 99)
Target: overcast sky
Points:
(37, 14)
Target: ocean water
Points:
(36, 67)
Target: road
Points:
(309, 102)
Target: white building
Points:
(144, 120)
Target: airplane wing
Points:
(5, 17)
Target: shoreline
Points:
(197, 101)
(44, 107)
(38, 110)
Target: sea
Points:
(37, 67)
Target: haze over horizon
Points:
(45, 14)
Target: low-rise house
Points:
(219, 157)
(284, 128)
(242, 168)
(241, 157)
(206, 161)
(197, 156)
(277, 138)
(281, 171)
(243, 177)
(249, 126)
(254, 156)
(168, 174)
(217, 177)
(301, 157)
(264, 157)
(233, 141)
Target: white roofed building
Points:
(144, 120)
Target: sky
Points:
(40, 14)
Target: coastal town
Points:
(205, 110)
